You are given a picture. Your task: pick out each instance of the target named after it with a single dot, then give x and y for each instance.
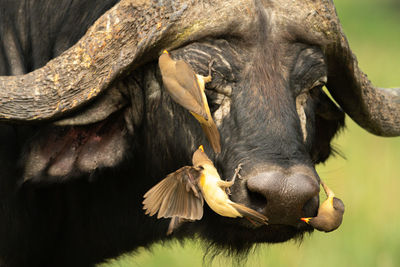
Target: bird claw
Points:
(210, 66)
(228, 191)
(208, 78)
(237, 170)
(232, 181)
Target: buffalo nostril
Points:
(287, 194)
(257, 199)
(310, 209)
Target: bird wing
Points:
(177, 195)
(187, 79)
(191, 83)
(183, 97)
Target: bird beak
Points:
(201, 148)
(306, 220)
(165, 52)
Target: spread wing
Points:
(177, 195)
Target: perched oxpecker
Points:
(180, 195)
(187, 89)
(330, 213)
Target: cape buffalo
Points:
(87, 127)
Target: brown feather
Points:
(181, 83)
(173, 224)
(171, 198)
(212, 133)
(187, 79)
(153, 203)
(250, 213)
(329, 217)
(187, 89)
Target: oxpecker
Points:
(330, 213)
(187, 89)
(180, 195)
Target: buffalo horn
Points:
(130, 34)
(375, 109)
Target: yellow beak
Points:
(306, 220)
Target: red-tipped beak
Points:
(306, 220)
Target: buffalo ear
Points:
(326, 108)
(329, 119)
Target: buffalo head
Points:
(272, 60)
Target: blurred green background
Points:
(368, 180)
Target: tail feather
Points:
(250, 213)
(212, 133)
(210, 129)
(174, 224)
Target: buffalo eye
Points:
(320, 118)
(225, 71)
(309, 71)
(329, 119)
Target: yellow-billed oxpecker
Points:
(330, 213)
(180, 195)
(187, 89)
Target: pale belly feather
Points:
(216, 197)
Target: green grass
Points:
(368, 181)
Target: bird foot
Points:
(236, 174)
(208, 78)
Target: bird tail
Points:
(210, 129)
(212, 133)
(174, 224)
(250, 214)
